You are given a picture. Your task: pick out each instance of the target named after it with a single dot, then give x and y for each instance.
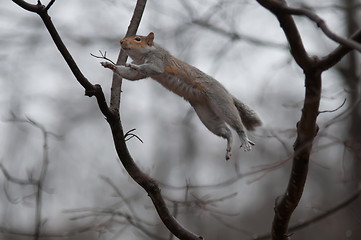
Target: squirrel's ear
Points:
(150, 38)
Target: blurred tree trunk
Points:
(349, 69)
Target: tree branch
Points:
(279, 7)
(335, 56)
(292, 34)
(318, 218)
(90, 89)
(27, 6)
(113, 117)
(149, 184)
(50, 4)
(236, 36)
(122, 57)
(38, 183)
(306, 127)
(306, 131)
(19, 181)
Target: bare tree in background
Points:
(345, 58)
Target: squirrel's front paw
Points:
(109, 65)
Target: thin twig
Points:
(129, 135)
(231, 226)
(38, 184)
(103, 56)
(262, 170)
(112, 214)
(119, 193)
(16, 180)
(334, 110)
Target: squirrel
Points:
(214, 105)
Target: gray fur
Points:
(214, 105)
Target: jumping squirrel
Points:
(214, 105)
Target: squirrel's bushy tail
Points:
(249, 117)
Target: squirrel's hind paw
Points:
(247, 145)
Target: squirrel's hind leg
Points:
(224, 107)
(214, 124)
(245, 142)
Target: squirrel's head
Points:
(136, 45)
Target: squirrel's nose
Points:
(121, 41)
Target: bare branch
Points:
(306, 127)
(27, 6)
(334, 110)
(49, 5)
(318, 218)
(327, 213)
(149, 184)
(39, 193)
(236, 36)
(38, 184)
(16, 180)
(261, 170)
(232, 227)
(122, 56)
(90, 89)
(280, 8)
(329, 6)
(119, 193)
(62, 235)
(321, 24)
(42, 11)
(112, 214)
(336, 55)
(292, 34)
(112, 114)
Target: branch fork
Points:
(306, 128)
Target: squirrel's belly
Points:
(181, 87)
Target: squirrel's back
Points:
(214, 105)
(181, 78)
(177, 76)
(184, 79)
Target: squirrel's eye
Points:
(137, 39)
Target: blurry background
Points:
(86, 192)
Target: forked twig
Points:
(129, 135)
(103, 56)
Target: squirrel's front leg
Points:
(109, 65)
(124, 71)
(147, 68)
